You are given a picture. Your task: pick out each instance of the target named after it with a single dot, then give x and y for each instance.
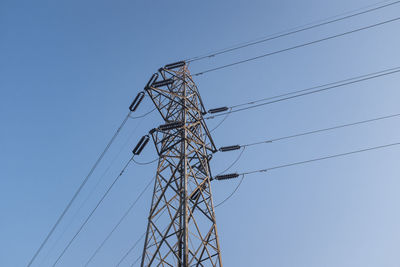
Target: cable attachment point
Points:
(152, 80)
(226, 176)
(229, 148)
(217, 110)
(140, 145)
(163, 83)
(171, 125)
(136, 102)
(175, 65)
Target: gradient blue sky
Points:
(69, 70)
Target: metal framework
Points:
(181, 228)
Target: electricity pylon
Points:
(182, 229)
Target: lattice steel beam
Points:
(181, 228)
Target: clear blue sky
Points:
(69, 70)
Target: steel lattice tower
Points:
(181, 228)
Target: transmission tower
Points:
(182, 229)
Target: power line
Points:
(137, 259)
(137, 242)
(309, 92)
(298, 46)
(119, 222)
(293, 31)
(268, 141)
(143, 115)
(97, 184)
(145, 163)
(299, 163)
(320, 159)
(93, 211)
(222, 121)
(312, 88)
(231, 194)
(322, 130)
(231, 148)
(234, 162)
(131, 248)
(78, 190)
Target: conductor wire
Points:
(145, 163)
(231, 194)
(60, 218)
(291, 31)
(322, 130)
(320, 159)
(96, 186)
(92, 212)
(297, 46)
(307, 92)
(119, 223)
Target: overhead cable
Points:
(143, 115)
(268, 141)
(119, 223)
(310, 91)
(131, 248)
(316, 87)
(231, 194)
(221, 176)
(234, 162)
(137, 241)
(145, 163)
(298, 46)
(320, 159)
(222, 121)
(299, 29)
(95, 186)
(137, 259)
(93, 211)
(236, 175)
(78, 190)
